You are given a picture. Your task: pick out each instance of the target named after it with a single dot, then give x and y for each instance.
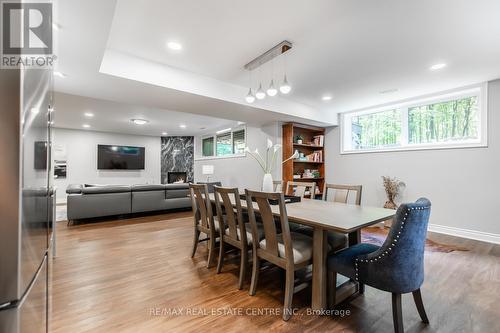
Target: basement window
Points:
(452, 120)
(227, 144)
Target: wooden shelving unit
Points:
(292, 167)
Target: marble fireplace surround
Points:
(177, 155)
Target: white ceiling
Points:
(352, 50)
(116, 117)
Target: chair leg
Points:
(361, 288)
(289, 284)
(332, 289)
(243, 268)
(255, 274)
(195, 241)
(211, 250)
(417, 297)
(397, 313)
(221, 256)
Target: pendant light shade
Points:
(260, 94)
(285, 87)
(250, 98)
(272, 91)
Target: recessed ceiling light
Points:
(88, 114)
(182, 126)
(176, 46)
(60, 74)
(326, 98)
(139, 121)
(388, 91)
(437, 66)
(86, 126)
(164, 133)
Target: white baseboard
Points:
(465, 233)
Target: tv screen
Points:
(40, 155)
(120, 157)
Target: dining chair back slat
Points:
(299, 188)
(342, 193)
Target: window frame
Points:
(213, 144)
(214, 153)
(481, 91)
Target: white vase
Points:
(267, 183)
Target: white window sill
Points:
(207, 158)
(418, 147)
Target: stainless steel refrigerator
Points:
(25, 199)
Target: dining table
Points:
(324, 216)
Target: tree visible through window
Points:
(381, 129)
(445, 121)
(224, 145)
(453, 120)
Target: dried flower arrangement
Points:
(393, 188)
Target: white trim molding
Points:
(465, 233)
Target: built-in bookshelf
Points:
(310, 166)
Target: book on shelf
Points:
(316, 156)
(318, 140)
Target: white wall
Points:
(81, 147)
(241, 172)
(462, 184)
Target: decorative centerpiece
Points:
(393, 189)
(267, 164)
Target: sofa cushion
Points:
(148, 187)
(148, 201)
(74, 189)
(177, 186)
(106, 189)
(98, 204)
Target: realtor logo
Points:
(26, 34)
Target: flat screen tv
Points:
(120, 157)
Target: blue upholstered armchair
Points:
(397, 266)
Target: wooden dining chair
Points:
(278, 185)
(342, 193)
(288, 250)
(203, 220)
(299, 189)
(236, 233)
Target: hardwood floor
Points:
(126, 275)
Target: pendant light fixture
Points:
(285, 87)
(250, 97)
(260, 94)
(272, 91)
(256, 63)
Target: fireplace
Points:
(177, 177)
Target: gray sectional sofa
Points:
(88, 201)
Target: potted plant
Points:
(299, 139)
